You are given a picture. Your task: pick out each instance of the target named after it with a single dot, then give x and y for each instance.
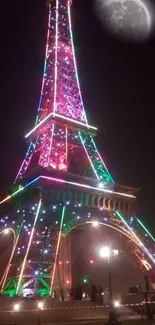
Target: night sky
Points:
(118, 87)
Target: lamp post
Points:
(105, 252)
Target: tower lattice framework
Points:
(63, 180)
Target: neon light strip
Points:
(114, 183)
(23, 161)
(28, 184)
(102, 160)
(56, 58)
(87, 186)
(57, 249)
(43, 81)
(74, 59)
(5, 275)
(10, 260)
(20, 189)
(61, 116)
(88, 156)
(125, 233)
(49, 154)
(141, 244)
(28, 247)
(45, 63)
(66, 147)
(7, 198)
(145, 229)
(71, 183)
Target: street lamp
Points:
(106, 252)
(95, 224)
(16, 307)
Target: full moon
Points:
(129, 19)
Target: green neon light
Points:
(142, 225)
(145, 229)
(70, 224)
(97, 163)
(139, 241)
(28, 247)
(103, 164)
(83, 142)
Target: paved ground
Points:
(71, 313)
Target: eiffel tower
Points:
(63, 180)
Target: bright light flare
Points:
(101, 185)
(115, 252)
(40, 305)
(6, 231)
(116, 303)
(95, 224)
(16, 307)
(105, 252)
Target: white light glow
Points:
(95, 224)
(62, 117)
(116, 303)
(116, 252)
(16, 307)
(100, 185)
(6, 231)
(105, 252)
(40, 305)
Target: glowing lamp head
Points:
(116, 304)
(40, 305)
(105, 252)
(95, 224)
(91, 261)
(16, 307)
(67, 282)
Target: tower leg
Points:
(65, 266)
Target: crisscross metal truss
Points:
(60, 89)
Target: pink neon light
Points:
(66, 146)
(7, 198)
(63, 117)
(28, 247)
(42, 87)
(56, 58)
(57, 249)
(74, 59)
(49, 154)
(46, 56)
(89, 157)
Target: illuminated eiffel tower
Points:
(63, 180)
